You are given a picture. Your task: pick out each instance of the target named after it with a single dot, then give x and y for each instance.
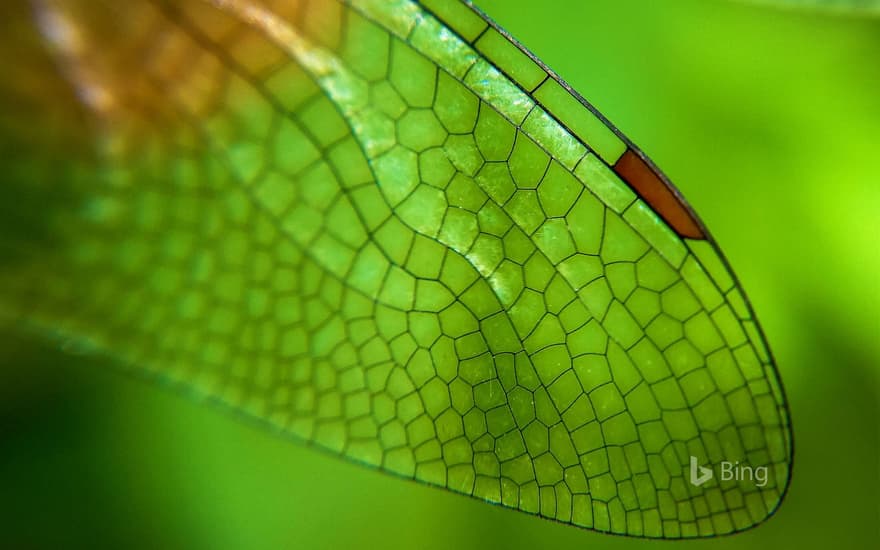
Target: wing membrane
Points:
(387, 229)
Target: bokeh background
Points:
(767, 119)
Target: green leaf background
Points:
(765, 119)
(859, 7)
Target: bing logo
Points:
(729, 471)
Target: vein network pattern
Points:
(387, 230)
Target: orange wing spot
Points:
(658, 194)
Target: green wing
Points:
(387, 230)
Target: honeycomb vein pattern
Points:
(365, 224)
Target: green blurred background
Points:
(767, 120)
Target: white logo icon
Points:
(699, 474)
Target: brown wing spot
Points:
(658, 194)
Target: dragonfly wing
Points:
(386, 229)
